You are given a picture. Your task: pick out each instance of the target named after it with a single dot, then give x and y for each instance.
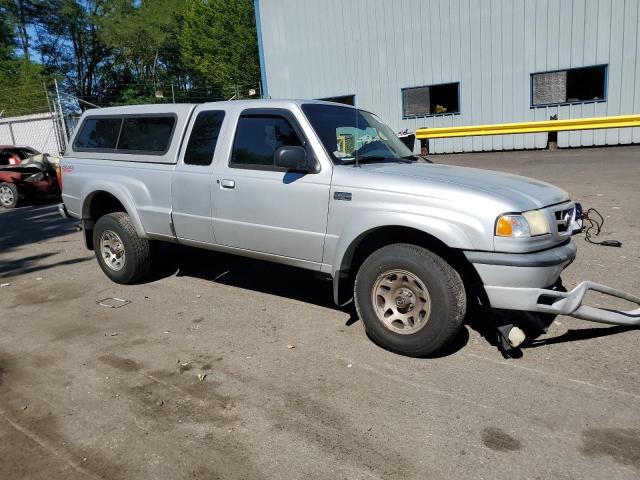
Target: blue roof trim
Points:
(263, 70)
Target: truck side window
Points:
(146, 134)
(98, 133)
(258, 137)
(203, 138)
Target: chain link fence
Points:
(40, 131)
(43, 117)
(31, 117)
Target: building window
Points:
(344, 99)
(575, 85)
(431, 100)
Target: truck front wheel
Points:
(410, 300)
(123, 256)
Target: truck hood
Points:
(524, 192)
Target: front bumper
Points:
(520, 270)
(518, 281)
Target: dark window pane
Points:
(98, 133)
(431, 100)
(146, 134)
(203, 139)
(585, 84)
(444, 98)
(258, 137)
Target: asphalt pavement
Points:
(226, 368)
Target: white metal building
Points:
(436, 63)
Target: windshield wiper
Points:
(374, 159)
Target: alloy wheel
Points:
(401, 301)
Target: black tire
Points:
(15, 195)
(137, 251)
(445, 289)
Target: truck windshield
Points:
(351, 135)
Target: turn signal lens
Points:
(503, 227)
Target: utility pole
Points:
(173, 94)
(46, 93)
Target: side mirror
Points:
(292, 158)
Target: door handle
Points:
(227, 183)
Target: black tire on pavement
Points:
(9, 195)
(445, 292)
(135, 252)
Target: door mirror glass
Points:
(291, 158)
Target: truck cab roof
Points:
(181, 113)
(182, 107)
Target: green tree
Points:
(219, 44)
(127, 51)
(144, 38)
(7, 38)
(21, 87)
(71, 48)
(21, 14)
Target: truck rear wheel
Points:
(123, 256)
(410, 300)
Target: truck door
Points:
(260, 207)
(192, 179)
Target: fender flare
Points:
(451, 235)
(122, 195)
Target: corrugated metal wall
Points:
(374, 48)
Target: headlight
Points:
(527, 224)
(537, 221)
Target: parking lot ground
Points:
(121, 393)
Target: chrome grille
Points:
(564, 218)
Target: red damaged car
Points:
(26, 173)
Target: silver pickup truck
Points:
(328, 188)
